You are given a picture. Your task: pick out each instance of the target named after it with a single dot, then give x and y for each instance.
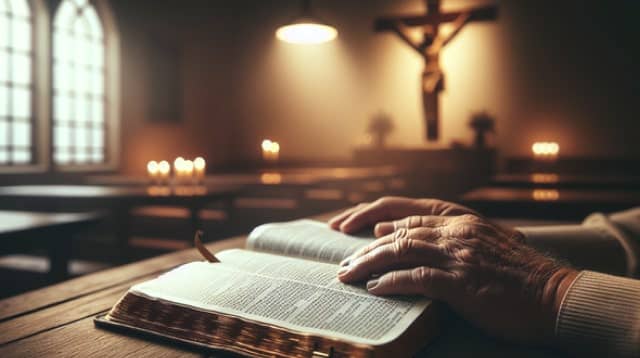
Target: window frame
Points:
(39, 103)
(42, 13)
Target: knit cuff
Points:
(600, 316)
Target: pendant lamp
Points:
(306, 29)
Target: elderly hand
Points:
(484, 272)
(383, 210)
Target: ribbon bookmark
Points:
(197, 239)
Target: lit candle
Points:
(545, 150)
(275, 151)
(266, 149)
(270, 150)
(178, 168)
(164, 169)
(152, 169)
(188, 168)
(199, 166)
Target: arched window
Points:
(16, 83)
(79, 95)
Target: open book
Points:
(278, 297)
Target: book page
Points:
(305, 238)
(292, 293)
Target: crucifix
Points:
(429, 46)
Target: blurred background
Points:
(126, 125)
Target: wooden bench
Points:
(21, 231)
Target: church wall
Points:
(546, 70)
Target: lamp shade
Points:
(306, 31)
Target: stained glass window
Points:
(78, 85)
(16, 83)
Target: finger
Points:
(400, 254)
(423, 280)
(387, 227)
(364, 217)
(421, 234)
(445, 208)
(335, 221)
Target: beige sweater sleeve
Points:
(600, 313)
(600, 316)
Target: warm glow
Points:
(152, 168)
(266, 145)
(199, 163)
(164, 168)
(306, 33)
(545, 149)
(270, 150)
(178, 164)
(187, 166)
(199, 166)
(545, 194)
(158, 190)
(271, 178)
(544, 178)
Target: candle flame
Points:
(547, 149)
(164, 167)
(152, 167)
(187, 165)
(199, 163)
(178, 164)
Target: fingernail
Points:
(371, 284)
(343, 270)
(345, 262)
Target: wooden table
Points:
(57, 321)
(548, 203)
(52, 231)
(551, 180)
(269, 177)
(118, 199)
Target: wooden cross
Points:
(429, 47)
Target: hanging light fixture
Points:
(306, 29)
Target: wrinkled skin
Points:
(383, 210)
(444, 251)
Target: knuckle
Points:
(464, 230)
(469, 218)
(401, 248)
(414, 221)
(421, 275)
(464, 255)
(400, 233)
(447, 248)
